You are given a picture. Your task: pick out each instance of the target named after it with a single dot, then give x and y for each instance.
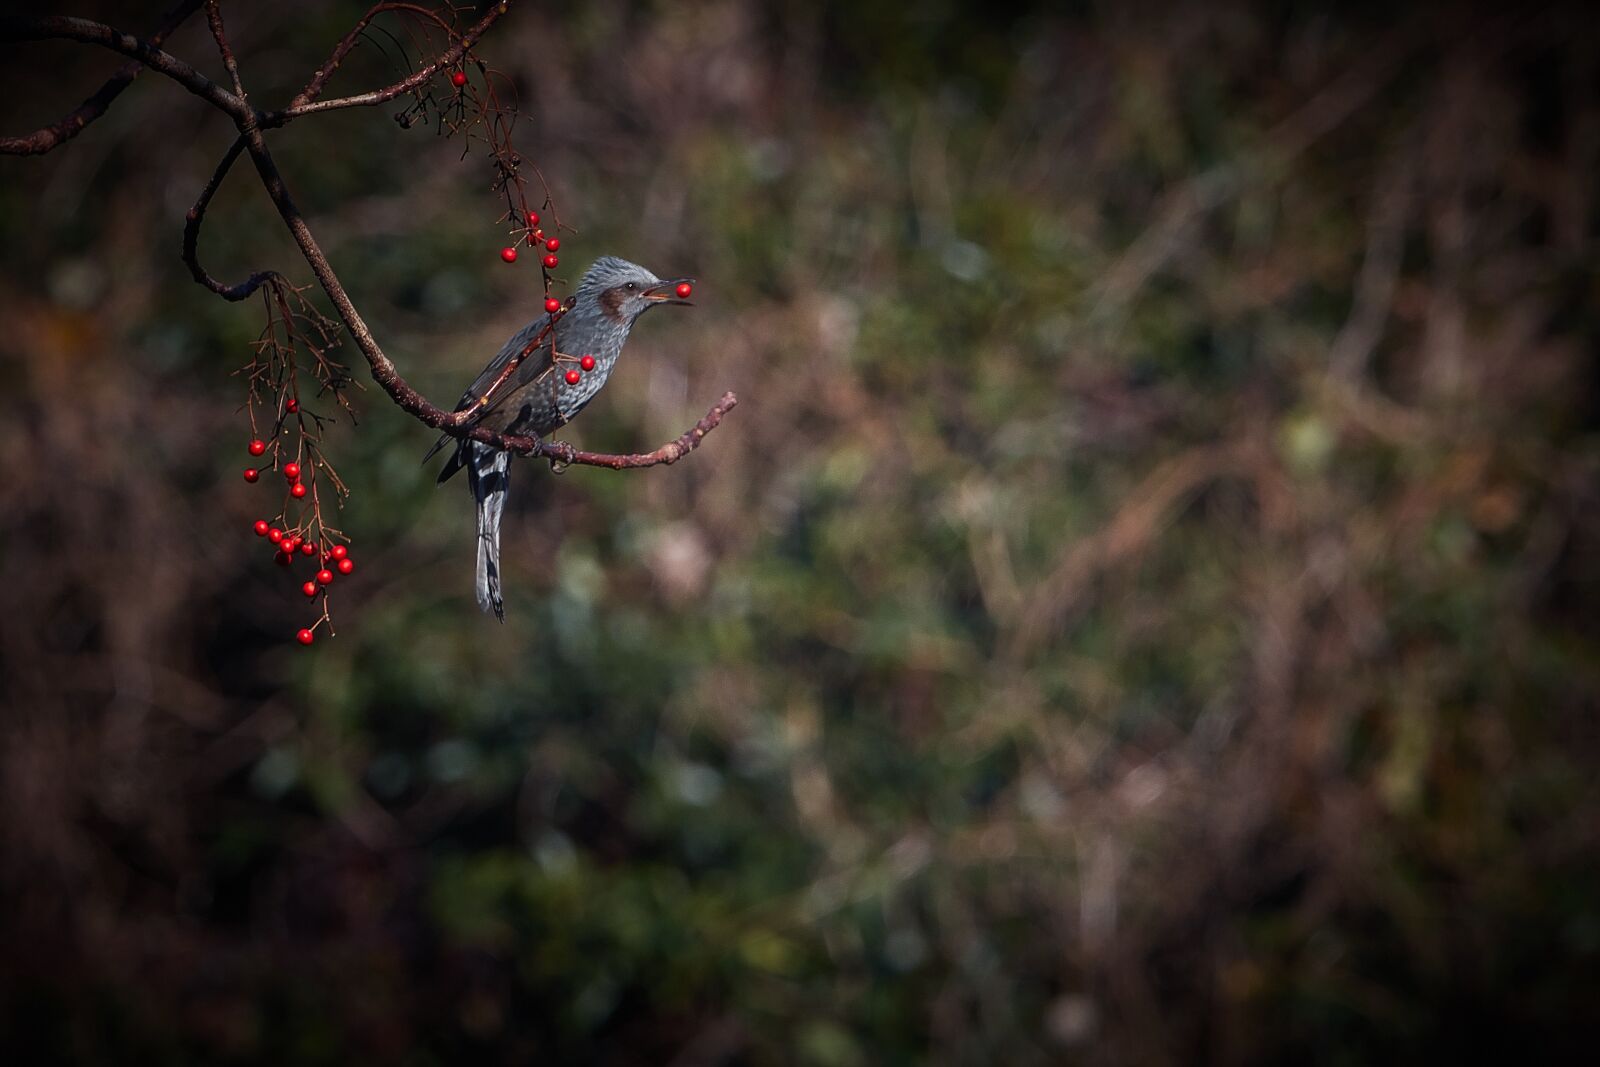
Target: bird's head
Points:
(622, 291)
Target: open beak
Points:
(667, 292)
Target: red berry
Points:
(291, 471)
(551, 262)
(552, 305)
(572, 377)
(586, 362)
(458, 79)
(257, 447)
(684, 289)
(305, 637)
(325, 576)
(508, 254)
(297, 490)
(339, 552)
(308, 549)
(283, 559)
(554, 244)
(274, 534)
(533, 218)
(291, 542)
(346, 565)
(309, 589)
(251, 474)
(262, 529)
(291, 405)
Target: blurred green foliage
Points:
(1139, 611)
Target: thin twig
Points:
(191, 236)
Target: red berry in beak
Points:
(683, 290)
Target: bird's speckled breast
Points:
(549, 402)
(570, 399)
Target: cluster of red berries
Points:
(291, 471)
(535, 237)
(574, 376)
(288, 543)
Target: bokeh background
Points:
(1141, 610)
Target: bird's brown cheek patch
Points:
(611, 303)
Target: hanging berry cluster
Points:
(493, 122)
(286, 545)
(484, 108)
(286, 437)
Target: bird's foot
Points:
(561, 456)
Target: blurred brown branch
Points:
(1151, 506)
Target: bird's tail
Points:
(488, 471)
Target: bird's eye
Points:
(632, 286)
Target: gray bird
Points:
(538, 398)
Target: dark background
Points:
(1140, 611)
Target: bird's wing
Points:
(537, 362)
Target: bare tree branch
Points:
(447, 59)
(319, 81)
(75, 121)
(214, 20)
(671, 452)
